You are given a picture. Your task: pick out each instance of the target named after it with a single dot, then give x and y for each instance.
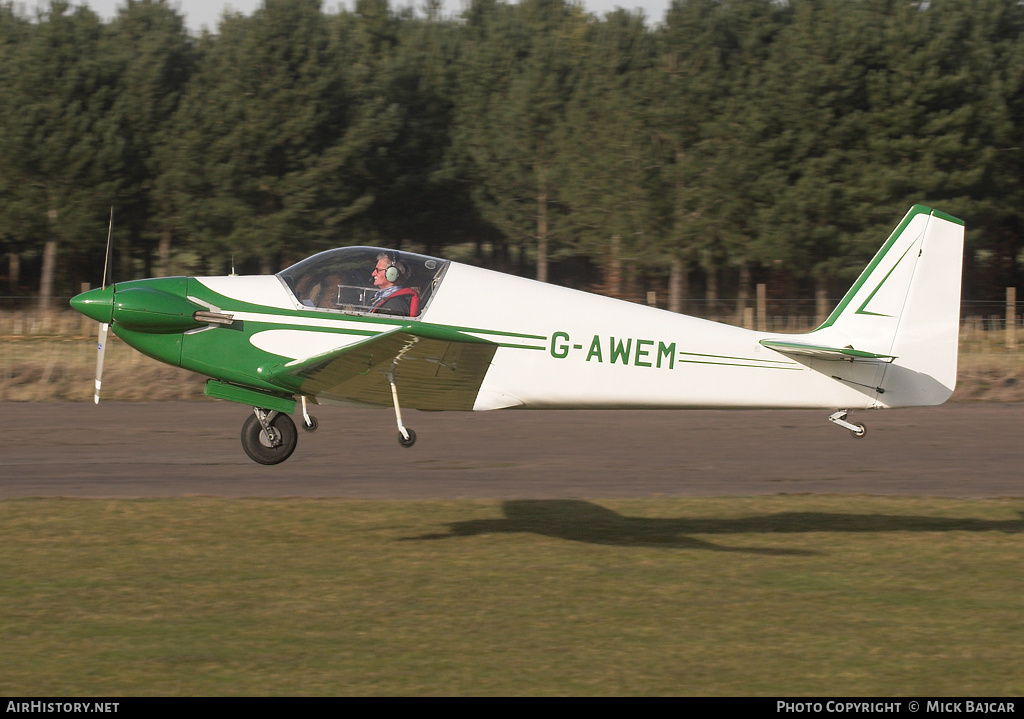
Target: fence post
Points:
(86, 322)
(762, 307)
(1011, 318)
(821, 306)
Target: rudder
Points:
(927, 339)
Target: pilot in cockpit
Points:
(392, 298)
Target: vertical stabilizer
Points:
(906, 304)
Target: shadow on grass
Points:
(580, 521)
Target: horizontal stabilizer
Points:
(848, 354)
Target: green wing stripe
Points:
(756, 360)
(443, 333)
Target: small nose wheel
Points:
(407, 441)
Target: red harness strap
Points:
(414, 300)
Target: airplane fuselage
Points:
(556, 347)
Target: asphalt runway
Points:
(177, 449)
(174, 449)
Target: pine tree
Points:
(266, 104)
(154, 59)
(512, 98)
(60, 144)
(609, 157)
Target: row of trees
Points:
(736, 141)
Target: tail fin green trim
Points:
(877, 260)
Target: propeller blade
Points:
(101, 348)
(110, 248)
(101, 345)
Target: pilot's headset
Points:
(396, 270)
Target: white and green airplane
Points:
(369, 327)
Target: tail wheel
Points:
(860, 431)
(273, 446)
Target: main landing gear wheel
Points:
(269, 437)
(407, 442)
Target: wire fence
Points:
(783, 316)
(51, 355)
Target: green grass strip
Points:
(784, 595)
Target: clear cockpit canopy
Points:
(342, 279)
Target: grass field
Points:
(787, 595)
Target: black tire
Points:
(313, 424)
(258, 447)
(407, 442)
(860, 432)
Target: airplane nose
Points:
(97, 304)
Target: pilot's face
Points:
(379, 280)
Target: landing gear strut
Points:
(269, 437)
(857, 430)
(308, 423)
(406, 437)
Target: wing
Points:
(434, 369)
(825, 353)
